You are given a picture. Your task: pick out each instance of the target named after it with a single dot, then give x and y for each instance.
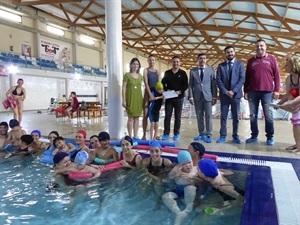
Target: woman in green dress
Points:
(132, 98)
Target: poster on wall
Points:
(26, 50)
(54, 51)
(3, 72)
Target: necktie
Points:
(201, 74)
(229, 73)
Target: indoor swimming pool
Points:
(127, 197)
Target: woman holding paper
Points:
(132, 98)
(292, 84)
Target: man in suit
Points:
(203, 94)
(230, 80)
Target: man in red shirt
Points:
(261, 85)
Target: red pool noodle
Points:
(175, 151)
(77, 175)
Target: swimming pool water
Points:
(124, 197)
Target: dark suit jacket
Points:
(208, 86)
(237, 80)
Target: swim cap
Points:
(83, 132)
(13, 123)
(154, 144)
(28, 139)
(59, 156)
(102, 136)
(81, 157)
(36, 131)
(159, 86)
(208, 167)
(4, 124)
(184, 157)
(128, 138)
(198, 147)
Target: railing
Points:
(51, 65)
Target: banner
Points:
(50, 50)
(26, 50)
(3, 72)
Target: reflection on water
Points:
(119, 197)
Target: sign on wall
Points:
(26, 50)
(3, 71)
(54, 51)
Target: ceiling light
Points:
(10, 16)
(87, 40)
(55, 30)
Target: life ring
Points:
(77, 175)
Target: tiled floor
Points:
(283, 133)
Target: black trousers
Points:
(170, 104)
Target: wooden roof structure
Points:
(185, 28)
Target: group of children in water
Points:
(191, 171)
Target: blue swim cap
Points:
(59, 156)
(81, 157)
(36, 131)
(155, 144)
(13, 123)
(208, 167)
(184, 157)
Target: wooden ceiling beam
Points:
(136, 14)
(83, 11)
(64, 11)
(226, 29)
(238, 12)
(278, 17)
(43, 2)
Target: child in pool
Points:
(52, 135)
(15, 134)
(63, 165)
(61, 146)
(104, 153)
(24, 148)
(208, 171)
(37, 145)
(155, 164)
(183, 174)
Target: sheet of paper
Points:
(170, 94)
